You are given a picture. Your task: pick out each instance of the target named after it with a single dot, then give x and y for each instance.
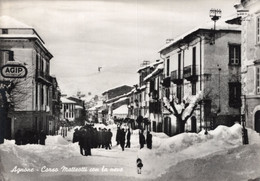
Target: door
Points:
(257, 121)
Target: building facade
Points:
(67, 110)
(250, 64)
(21, 44)
(207, 61)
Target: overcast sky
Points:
(116, 35)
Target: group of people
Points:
(29, 137)
(89, 137)
(120, 138)
(148, 140)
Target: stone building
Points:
(21, 44)
(204, 60)
(250, 64)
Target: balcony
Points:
(43, 77)
(190, 73)
(175, 78)
(166, 82)
(155, 107)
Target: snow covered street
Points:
(219, 155)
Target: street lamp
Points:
(214, 14)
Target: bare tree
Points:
(184, 110)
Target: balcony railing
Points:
(190, 73)
(176, 77)
(43, 76)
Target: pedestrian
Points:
(87, 142)
(18, 137)
(75, 136)
(122, 139)
(118, 135)
(42, 137)
(139, 165)
(81, 141)
(141, 139)
(128, 136)
(99, 138)
(149, 140)
(110, 135)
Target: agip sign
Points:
(13, 71)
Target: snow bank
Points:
(56, 140)
(229, 135)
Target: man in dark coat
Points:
(128, 136)
(109, 134)
(149, 140)
(141, 139)
(87, 142)
(99, 138)
(75, 136)
(81, 140)
(42, 137)
(118, 135)
(18, 137)
(122, 139)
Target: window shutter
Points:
(11, 56)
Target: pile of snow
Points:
(56, 140)
(168, 154)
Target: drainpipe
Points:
(200, 37)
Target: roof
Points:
(67, 101)
(121, 110)
(115, 99)
(95, 107)
(78, 107)
(8, 22)
(157, 71)
(150, 65)
(118, 87)
(220, 25)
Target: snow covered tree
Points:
(184, 110)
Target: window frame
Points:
(234, 54)
(4, 31)
(234, 94)
(258, 29)
(257, 80)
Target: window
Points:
(4, 31)
(11, 55)
(235, 94)
(234, 55)
(258, 29)
(257, 80)
(193, 60)
(168, 66)
(179, 65)
(193, 88)
(179, 93)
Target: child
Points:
(139, 165)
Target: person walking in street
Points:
(118, 135)
(81, 141)
(141, 139)
(110, 134)
(128, 136)
(42, 137)
(139, 165)
(122, 139)
(149, 140)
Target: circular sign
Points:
(13, 71)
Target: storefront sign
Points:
(13, 71)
